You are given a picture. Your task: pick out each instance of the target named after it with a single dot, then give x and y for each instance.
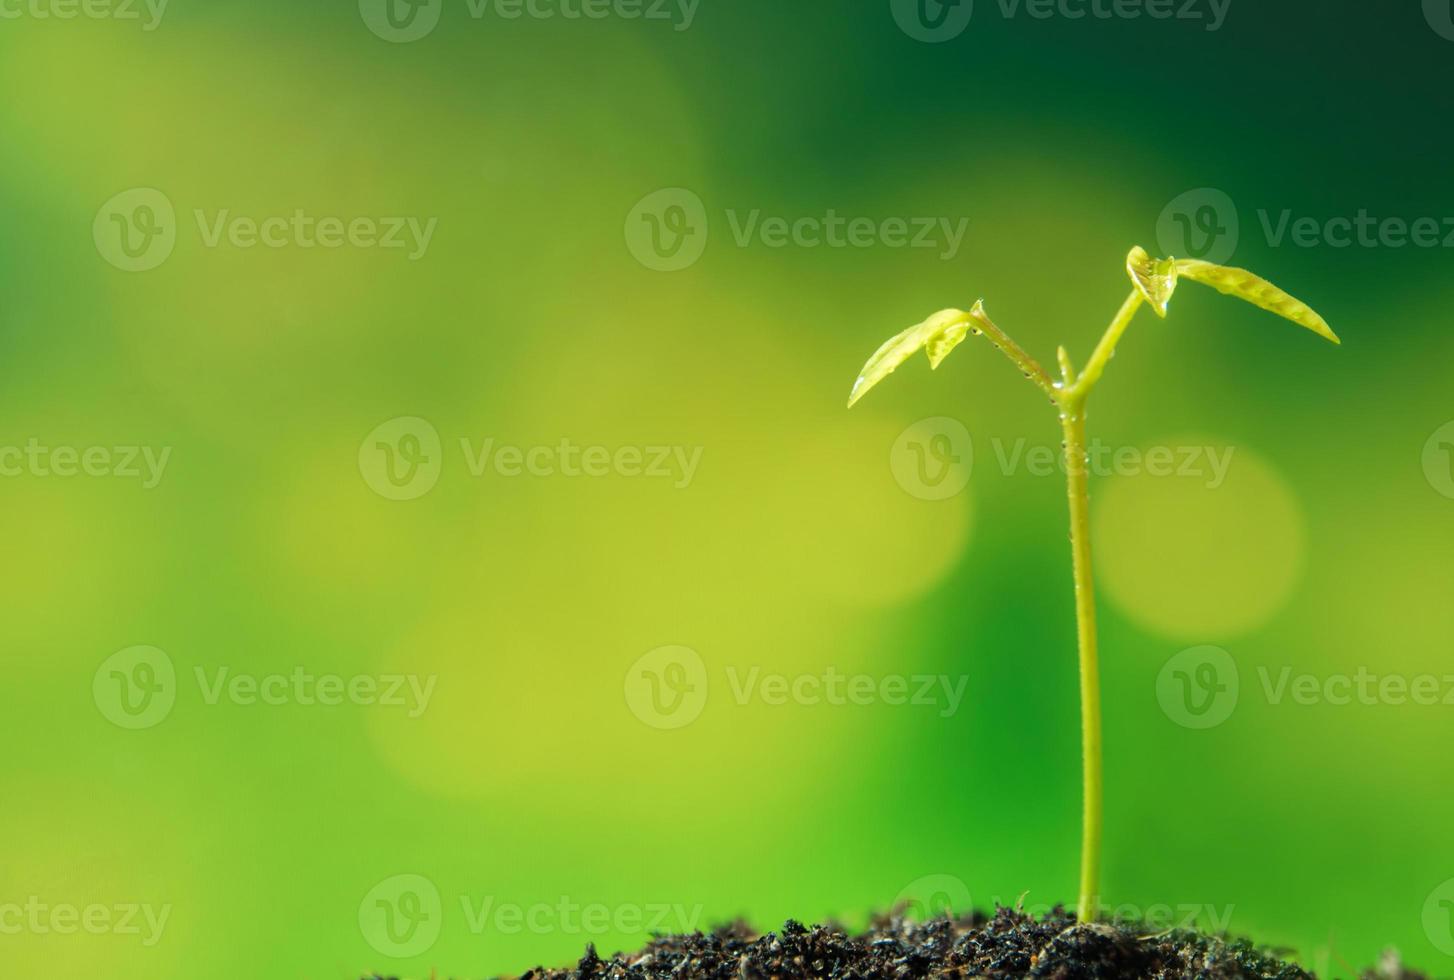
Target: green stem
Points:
(1073, 423)
(1070, 394)
(1072, 419)
(1028, 365)
(1067, 370)
(1107, 347)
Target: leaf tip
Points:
(1252, 288)
(1320, 327)
(937, 336)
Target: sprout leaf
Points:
(1257, 291)
(1155, 279)
(938, 335)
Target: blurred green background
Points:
(537, 777)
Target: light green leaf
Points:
(1154, 278)
(1257, 291)
(939, 346)
(938, 335)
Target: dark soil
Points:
(1008, 945)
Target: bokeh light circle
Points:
(1190, 551)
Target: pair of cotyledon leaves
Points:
(1155, 280)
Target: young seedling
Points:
(1153, 281)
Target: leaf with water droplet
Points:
(938, 335)
(939, 346)
(1258, 291)
(1155, 279)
